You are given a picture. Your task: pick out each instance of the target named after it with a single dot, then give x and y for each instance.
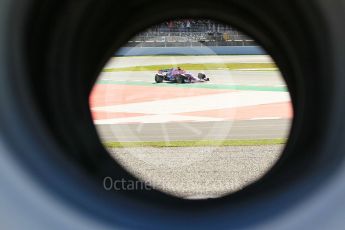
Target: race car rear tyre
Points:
(158, 78)
(180, 79)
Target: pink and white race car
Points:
(179, 75)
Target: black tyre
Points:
(53, 165)
(201, 76)
(158, 78)
(180, 79)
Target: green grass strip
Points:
(200, 86)
(203, 66)
(201, 143)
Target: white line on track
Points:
(159, 118)
(265, 118)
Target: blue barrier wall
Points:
(219, 50)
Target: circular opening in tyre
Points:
(193, 108)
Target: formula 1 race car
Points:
(179, 75)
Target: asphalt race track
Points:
(221, 130)
(247, 77)
(235, 104)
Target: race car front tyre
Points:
(201, 76)
(158, 78)
(180, 79)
